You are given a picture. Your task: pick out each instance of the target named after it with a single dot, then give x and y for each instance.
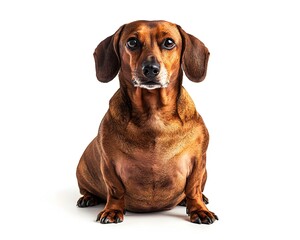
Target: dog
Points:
(150, 151)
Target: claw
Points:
(187, 212)
(197, 220)
(104, 220)
(205, 199)
(210, 221)
(89, 202)
(98, 217)
(79, 202)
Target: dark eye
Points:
(133, 43)
(168, 44)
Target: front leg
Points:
(113, 212)
(196, 207)
(114, 209)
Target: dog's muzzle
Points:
(153, 75)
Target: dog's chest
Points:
(157, 154)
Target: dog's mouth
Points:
(150, 85)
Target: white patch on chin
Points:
(137, 83)
(150, 87)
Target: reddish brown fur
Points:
(150, 152)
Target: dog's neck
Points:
(151, 102)
(142, 105)
(152, 107)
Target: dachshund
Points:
(150, 151)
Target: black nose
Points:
(150, 68)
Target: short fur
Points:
(150, 151)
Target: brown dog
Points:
(150, 151)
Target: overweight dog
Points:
(150, 151)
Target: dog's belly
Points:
(153, 184)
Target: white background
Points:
(52, 104)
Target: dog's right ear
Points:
(107, 58)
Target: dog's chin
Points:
(153, 86)
(149, 85)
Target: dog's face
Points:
(149, 54)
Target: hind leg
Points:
(205, 200)
(88, 200)
(89, 177)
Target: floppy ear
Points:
(106, 57)
(194, 57)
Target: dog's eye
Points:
(168, 44)
(132, 43)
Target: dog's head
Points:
(150, 55)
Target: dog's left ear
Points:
(107, 58)
(194, 57)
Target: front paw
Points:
(110, 216)
(203, 216)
